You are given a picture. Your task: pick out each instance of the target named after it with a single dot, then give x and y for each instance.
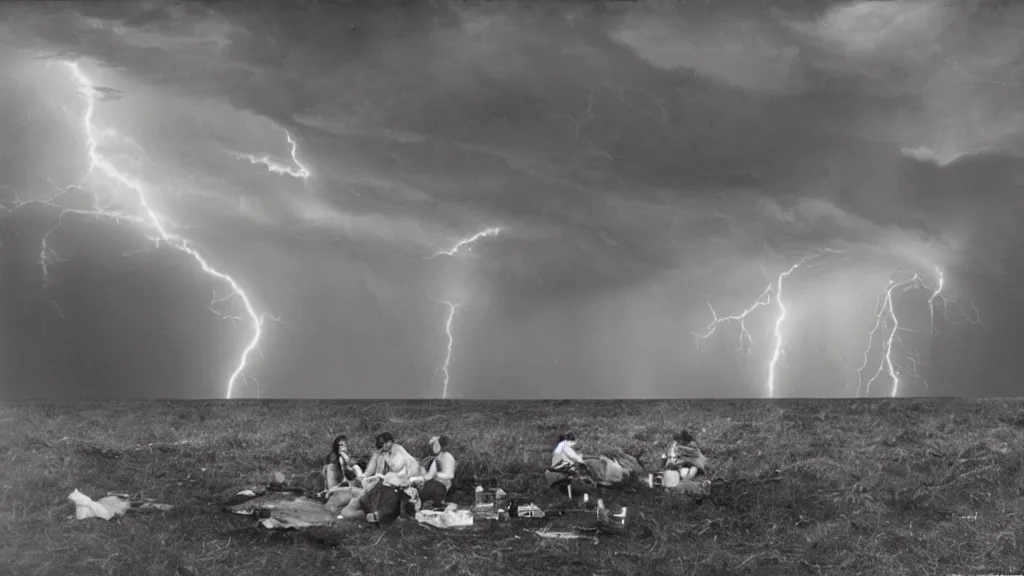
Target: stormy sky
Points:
(651, 166)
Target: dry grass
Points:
(814, 487)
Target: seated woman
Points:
(564, 456)
(341, 474)
(340, 470)
(684, 456)
(391, 466)
(437, 482)
(567, 466)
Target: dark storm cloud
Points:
(627, 151)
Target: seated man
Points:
(390, 468)
(391, 462)
(437, 482)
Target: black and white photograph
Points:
(595, 287)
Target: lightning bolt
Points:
(937, 294)
(777, 351)
(452, 309)
(469, 241)
(887, 327)
(772, 293)
(888, 321)
(297, 170)
(158, 226)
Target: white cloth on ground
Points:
(449, 518)
(105, 508)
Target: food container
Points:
(484, 499)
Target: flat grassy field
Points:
(813, 487)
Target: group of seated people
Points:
(350, 488)
(682, 456)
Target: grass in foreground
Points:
(867, 487)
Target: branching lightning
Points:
(746, 340)
(772, 293)
(453, 307)
(887, 320)
(297, 170)
(887, 327)
(96, 212)
(158, 226)
(468, 242)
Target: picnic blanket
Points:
(612, 468)
(281, 509)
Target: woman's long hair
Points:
(338, 440)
